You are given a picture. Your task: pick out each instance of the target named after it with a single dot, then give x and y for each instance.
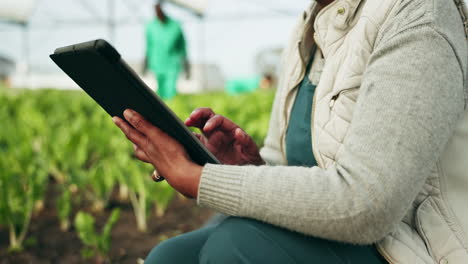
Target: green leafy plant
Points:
(136, 176)
(23, 172)
(162, 196)
(143, 192)
(67, 136)
(64, 207)
(96, 244)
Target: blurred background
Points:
(226, 39)
(71, 190)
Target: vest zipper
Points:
(282, 136)
(332, 103)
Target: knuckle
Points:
(198, 109)
(218, 119)
(207, 111)
(153, 133)
(137, 123)
(147, 142)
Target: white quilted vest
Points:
(435, 229)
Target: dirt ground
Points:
(48, 245)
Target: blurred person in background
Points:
(267, 82)
(166, 52)
(365, 160)
(245, 85)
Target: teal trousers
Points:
(240, 240)
(167, 83)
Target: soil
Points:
(47, 244)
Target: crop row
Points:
(66, 137)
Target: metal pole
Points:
(202, 50)
(26, 52)
(111, 20)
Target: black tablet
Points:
(101, 72)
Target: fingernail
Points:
(128, 113)
(115, 119)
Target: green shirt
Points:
(298, 136)
(165, 45)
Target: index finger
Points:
(199, 117)
(219, 122)
(139, 122)
(131, 133)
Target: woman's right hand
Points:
(226, 140)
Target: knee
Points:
(228, 243)
(164, 252)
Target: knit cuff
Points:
(220, 188)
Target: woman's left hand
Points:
(168, 156)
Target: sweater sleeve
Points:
(410, 100)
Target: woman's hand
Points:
(167, 155)
(226, 140)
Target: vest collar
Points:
(342, 11)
